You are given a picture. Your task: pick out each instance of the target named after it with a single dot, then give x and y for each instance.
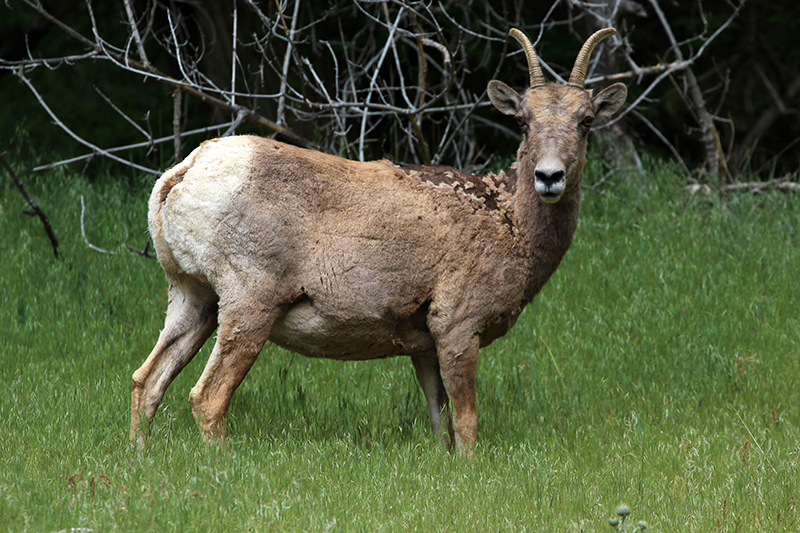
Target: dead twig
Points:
(161, 140)
(138, 251)
(755, 187)
(177, 104)
(35, 209)
(83, 233)
(141, 251)
(149, 71)
(96, 149)
(286, 59)
(134, 29)
(780, 184)
(714, 156)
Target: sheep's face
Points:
(555, 122)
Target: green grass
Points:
(659, 367)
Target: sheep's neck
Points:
(545, 231)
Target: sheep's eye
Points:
(587, 121)
(520, 121)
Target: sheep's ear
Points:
(609, 100)
(504, 98)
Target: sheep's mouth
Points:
(550, 197)
(550, 192)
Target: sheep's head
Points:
(556, 119)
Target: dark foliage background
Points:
(750, 75)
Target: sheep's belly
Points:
(305, 330)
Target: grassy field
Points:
(660, 367)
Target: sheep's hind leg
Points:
(430, 379)
(244, 327)
(191, 318)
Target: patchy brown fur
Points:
(490, 188)
(360, 260)
(490, 192)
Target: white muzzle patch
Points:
(550, 192)
(550, 180)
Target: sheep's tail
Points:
(161, 190)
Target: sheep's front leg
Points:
(458, 364)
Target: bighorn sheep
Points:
(360, 260)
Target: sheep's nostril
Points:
(549, 176)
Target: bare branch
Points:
(177, 105)
(141, 251)
(235, 124)
(640, 72)
(359, 96)
(135, 33)
(83, 233)
(46, 62)
(286, 59)
(35, 209)
(138, 251)
(710, 137)
(234, 57)
(153, 142)
(94, 148)
(666, 142)
(121, 113)
(782, 184)
(373, 85)
(153, 73)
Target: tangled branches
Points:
(361, 78)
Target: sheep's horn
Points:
(578, 75)
(535, 71)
